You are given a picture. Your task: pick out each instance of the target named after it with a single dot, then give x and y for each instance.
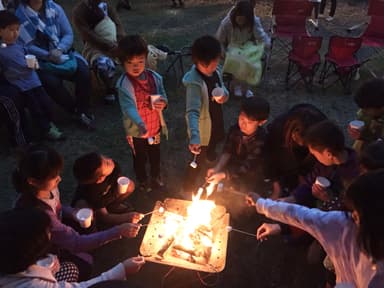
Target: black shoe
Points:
(123, 4)
(86, 121)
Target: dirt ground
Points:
(272, 263)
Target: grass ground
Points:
(271, 264)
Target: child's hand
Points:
(216, 178)
(221, 99)
(159, 104)
(252, 198)
(195, 148)
(320, 192)
(133, 265)
(210, 172)
(134, 217)
(267, 229)
(143, 131)
(129, 230)
(354, 133)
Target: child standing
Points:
(13, 66)
(204, 113)
(243, 155)
(142, 115)
(370, 99)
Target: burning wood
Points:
(184, 235)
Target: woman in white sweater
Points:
(353, 241)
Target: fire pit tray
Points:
(154, 240)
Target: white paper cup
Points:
(322, 181)
(193, 164)
(217, 93)
(84, 216)
(31, 61)
(356, 124)
(123, 183)
(154, 98)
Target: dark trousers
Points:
(40, 106)
(143, 153)
(13, 115)
(56, 90)
(333, 7)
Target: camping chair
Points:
(373, 37)
(304, 60)
(289, 20)
(340, 61)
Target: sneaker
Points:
(314, 22)
(329, 18)
(87, 121)
(54, 134)
(238, 92)
(249, 94)
(109, 99)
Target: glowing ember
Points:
(188, 234)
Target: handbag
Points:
(67, 68)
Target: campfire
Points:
(187, 234)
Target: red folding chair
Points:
(304, 61)
(340, 61)
(289, 20)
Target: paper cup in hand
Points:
(322, 181)
(217, 93)
(123, 183)
(154, 98)
(356, 124)
(84, 216)
(31, 61)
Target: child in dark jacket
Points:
(97, 189)
(241, 162)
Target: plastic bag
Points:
(244, 62)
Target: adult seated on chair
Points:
(239, 26)
(100, 29)
(46, 33)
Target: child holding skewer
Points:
(204, 114)
(242, 159)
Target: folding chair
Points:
(304, 60)
(340, 61)
(373, 37)
(289, 20)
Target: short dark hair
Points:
(24, 238)
(205, 49)
(85, 168)
(370, 94)
(39, 162)
(365, 195)
(298, 119)
(131, 46)
(372, 156)
(7, 18)
(243, 8)
(325, 135)
(256, 108)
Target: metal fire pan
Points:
(154, 240)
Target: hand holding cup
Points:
(354, 129)
(218, 95)
(319, 188)
(84, 217)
